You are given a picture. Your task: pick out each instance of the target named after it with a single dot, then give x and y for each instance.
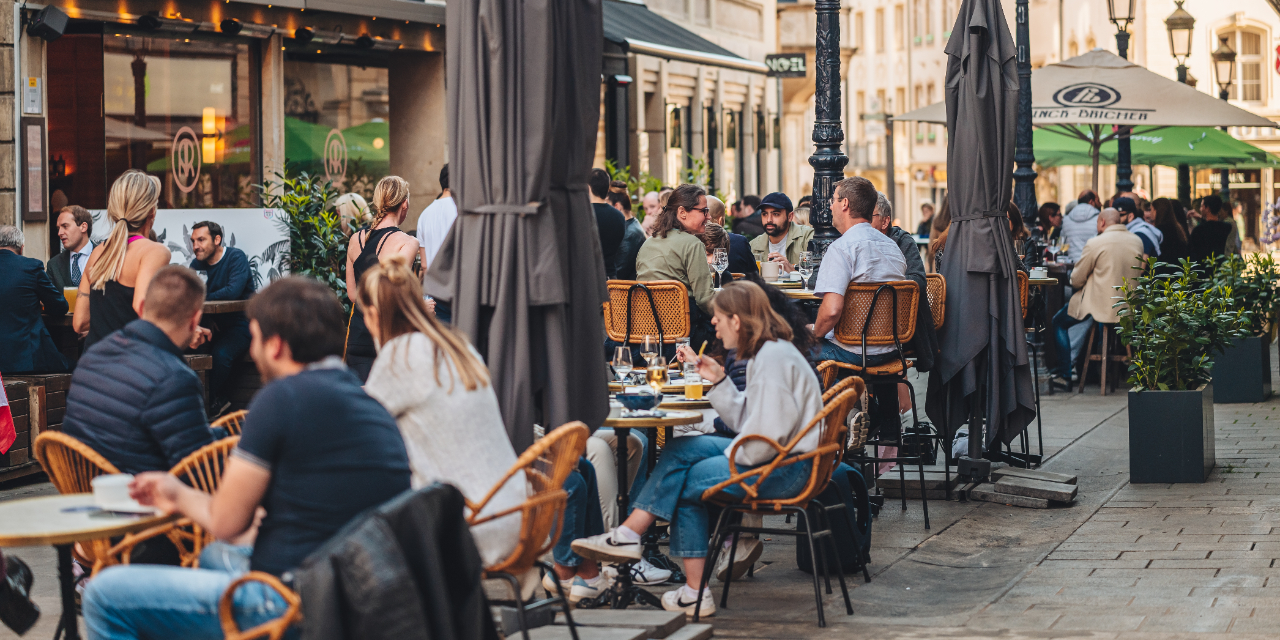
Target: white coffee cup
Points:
(111, 490)
(770, 271)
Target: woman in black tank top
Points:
(368, 245)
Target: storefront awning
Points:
(631, 25)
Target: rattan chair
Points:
(638, 309)
(232, 421)
(824, 457)
(884, 314)
(273, 629)
(545, 466)
(858, 431)
(1024, 287)
(936, 289)
(71, 466)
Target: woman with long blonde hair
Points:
(382, 237)
(120, 268)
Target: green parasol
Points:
(1169, 146)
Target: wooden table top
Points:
(672, 419)
(210, 308)
(683, 403)
(801, 294)
(64, 519)
(1042, 282)
(787, 284)
(675, 389)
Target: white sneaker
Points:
(644, 573)
(584, 589)
(549, 583)
(605, 548)
(749, 550)
(683, 599)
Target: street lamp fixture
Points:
(1224, 66)
(1121, 15)
(1180, 25)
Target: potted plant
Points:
(1174, 322)
(317, 242)
(1242, 371)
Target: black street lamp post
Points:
(1024, 175)
(828, 159)
(1224, 68)
(1121, 14)
(1180, 26)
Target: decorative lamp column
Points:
(1024, 157)
(1224, 68)
(828, 159)
(1180, 26)
(1121, 15)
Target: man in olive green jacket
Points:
(783, 239)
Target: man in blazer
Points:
(75, 224)
(24, 288)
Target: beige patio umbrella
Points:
(1100, 89)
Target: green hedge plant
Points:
(1252, 282)
(317, 243)
(1175, 320)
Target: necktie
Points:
(75, 269)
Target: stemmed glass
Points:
(1053, 249)
(720, 261)
(649, 348)
(805, 267)
(622, 363)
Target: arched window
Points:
(1250, 62)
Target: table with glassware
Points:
(62, 521)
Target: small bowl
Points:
(638, 401)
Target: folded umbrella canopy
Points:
(522, 266)
(982, 373)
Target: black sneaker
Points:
(17, 611)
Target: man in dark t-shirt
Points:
(316, 451)
(1209, 238)
(611, 225)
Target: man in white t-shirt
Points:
(435, 221)
(861, 254)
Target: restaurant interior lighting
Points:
(1180, 26)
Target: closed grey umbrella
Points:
(982, 369)
(522, 266)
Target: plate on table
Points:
(129, 507)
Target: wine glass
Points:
(1053, 249)
(622, 363)
(649, 349)
(657, 373)
(720, 261)
(805, 266)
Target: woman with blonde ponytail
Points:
(436, 386)
(382, 237)
(120, 268)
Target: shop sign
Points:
(785, 65)
(335, 156)
(184, 160)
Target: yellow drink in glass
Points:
(70, 294)
(657, 377)
(693, 390)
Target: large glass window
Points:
(184, 110)
(337, 122)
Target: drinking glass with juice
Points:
(70, 294)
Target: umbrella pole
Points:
(1095, 150)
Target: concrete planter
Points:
(1171, 435)
(1242, 373)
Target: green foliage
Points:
(637, 185)
(1253, 283)
(317, 243)
(1175, 320)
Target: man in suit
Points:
(25, 288)
(75, 224)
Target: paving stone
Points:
(698, 631)
(1084, 622)
(657, 624)
(1200, 622)
(989, 493)
(1033, 474)
(1021, 621)
(560, 632)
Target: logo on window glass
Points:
(184, 159)
(335, 156)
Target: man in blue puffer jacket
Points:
(133, 399)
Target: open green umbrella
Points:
(1169, 146)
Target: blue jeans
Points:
(227, 346)
(691, 465)
(832, 351)
(1069, 337)
(146, 601)
(582, 516)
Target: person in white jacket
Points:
(781, 397)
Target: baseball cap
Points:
(1126, 205)
(777, 200)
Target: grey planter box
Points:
(1242, 373)
(1171, 435)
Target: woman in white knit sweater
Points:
(781, 397)
(435, 385)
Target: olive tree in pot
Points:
(1174, 323)
(1242, 371)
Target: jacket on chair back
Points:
(134, 400)
(407, 570)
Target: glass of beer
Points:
(657, 373)
(692, 382)
(70, 294)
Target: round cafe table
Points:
(801, 294)
(62, 521)
(625, 592)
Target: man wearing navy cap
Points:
(783, 238)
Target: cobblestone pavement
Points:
(1124, 561)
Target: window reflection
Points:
(337, 123)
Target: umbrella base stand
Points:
(622, 594)
(973, 469)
